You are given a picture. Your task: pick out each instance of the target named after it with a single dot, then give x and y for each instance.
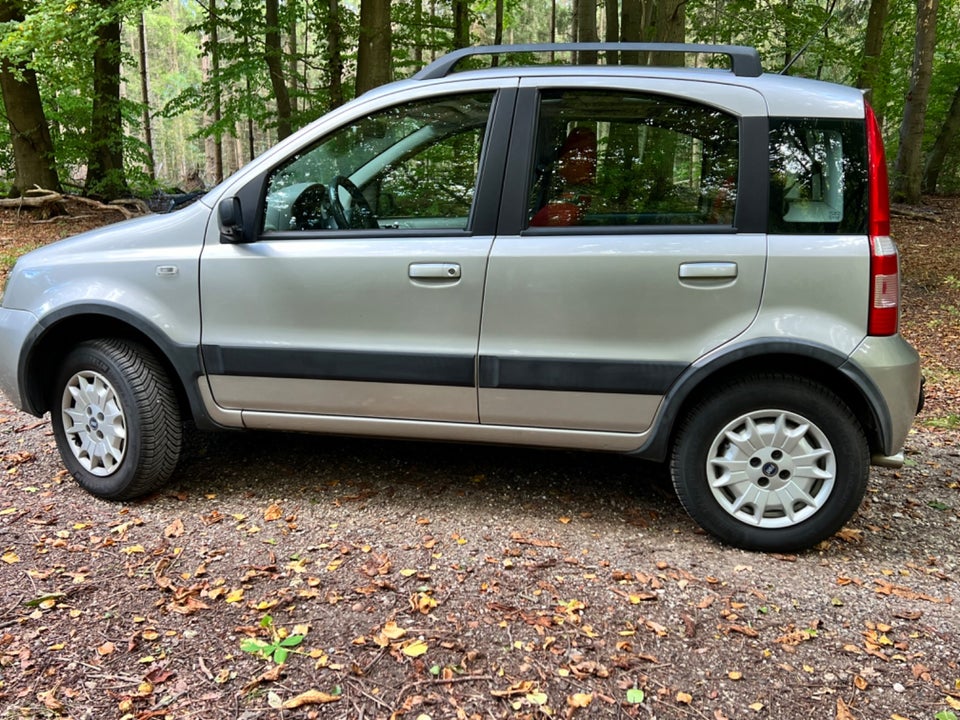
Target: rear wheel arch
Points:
(814, 363)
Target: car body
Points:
(676, 263)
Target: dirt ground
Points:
(403, 580)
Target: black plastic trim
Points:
(599, 376)
(184, 359)
(754, 182)
(658, 445)
(413, 368)
(744, 61)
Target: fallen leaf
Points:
(174, 529)
(274, 512)
(310, 697)
(521, 687)
(685, 698)
(415, 648)
(843, 712)
(580, 700)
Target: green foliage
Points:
(56, 39)
(277, 649)
(945, 715)
(635, 696)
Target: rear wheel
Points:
(774, 463)
(116, 419)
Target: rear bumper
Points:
(893, 368)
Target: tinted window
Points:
(413, 165)
(614, 158)
(818, 176)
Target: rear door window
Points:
(609, 157)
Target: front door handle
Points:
(434, 271)
(708, 271)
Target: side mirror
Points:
(230, 215)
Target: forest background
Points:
(117, 97)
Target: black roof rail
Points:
(744, 61)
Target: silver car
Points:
(687, 265)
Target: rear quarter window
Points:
(818, 176)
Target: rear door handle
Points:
(708, 271)
(434, 271)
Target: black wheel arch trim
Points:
(692, 379)
(184, 360)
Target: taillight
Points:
(884, 313)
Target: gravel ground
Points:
(444, 581)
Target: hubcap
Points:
(771, 468)
(94, 423)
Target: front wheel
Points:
(116, 419)
(772, 463)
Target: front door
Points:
(362, 294)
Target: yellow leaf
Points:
(235, 596)
(685, 698)
(408, 572)
(131, 549)
(393, 631)
(274, 512)
(734, 675)
(537, 698)
(756, 707)
(953, 702)
(8, 511)
(564, 520)
(415, 648)
(10, 557)
(310, 697)
(580, 700)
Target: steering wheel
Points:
(309, 210)
(361, 214)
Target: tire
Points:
(116, 419)
(771, 463)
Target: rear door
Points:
(634, 245)
(361, 295)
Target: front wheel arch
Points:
(66, 329)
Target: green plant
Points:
(945, 715)
(278, 648)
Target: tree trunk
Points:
(374, 53)
(631, 28)
(938, 153)
(461, 23)
(33, 154)
(145, 99)
(105, 174)
(210, 64)
(334, 54)
(497, 29)
(273, 55)
(612, 34)
(908, 170)
(586, 30)
(671, 26)
(872, 47)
